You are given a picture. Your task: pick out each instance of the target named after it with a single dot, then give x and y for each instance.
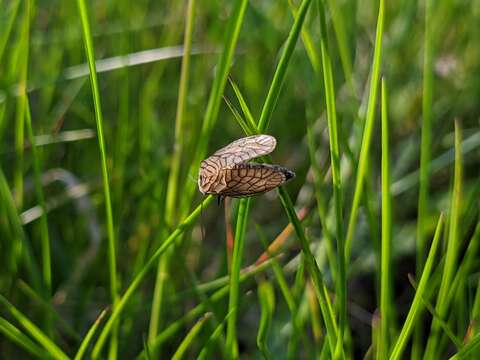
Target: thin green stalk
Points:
(46, 306)
(21, 248)
(238, 247)
(385, 267)
(173, 179)
(343, 44)
(112, 267)
(321, 201)
(174, 176)
(250, 122)
(23, 341)
(336, 179)
(214, 337)
(267, 110)
(308, 42)
(179, 324)
(218, 86)
(117, 310)
(450, 268)
(266, 297)
(475, 242)
(89, 336)
(186, 342)
(7, 29)
(367, 134)
(45, 238)
(416, 307)
(214, 321)
(20, 106)
(289, 299)
(443, 324)
(218, 282)
(320, 289)
(425, 154)
(247, 129)
(282, 66)
(470, 350)
(36, 333)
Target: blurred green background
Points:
(138, 47)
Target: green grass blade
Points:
(475, 242)
(321, 200)
(312, 267)
(171, 212)
(386, 260)
(247, 129)
(267, 110)
(298, 332)
(176, 326)
(279, 76)
(20, 247)
(46, 306)
(181, 109)
(243, 104)
(18, 337)
(343, 43)
(216, 334)
(308, 42)
(416, 307)
(89, 336)
(45, 238)
(336, 179)
(444, 325)
(470, 350)
(426, 126)
(22, 69)
(218, 86)
(112, 262)
(222, 280)
(240, 230)
(5, 35)
(367, 133)
(450, 268)
(34, 331)
(266, 295)
(117, 311)
(183, 347)
(425, 155)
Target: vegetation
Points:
(108, 250)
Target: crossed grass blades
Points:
(227, 172)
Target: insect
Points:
(227, 172)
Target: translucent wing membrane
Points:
(226, 172)
(244, 149)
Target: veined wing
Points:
(248, 179)
(243, 149)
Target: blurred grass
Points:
(131, 195)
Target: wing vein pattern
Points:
(227, 172)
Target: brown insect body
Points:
(226, 172)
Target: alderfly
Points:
(227, 172)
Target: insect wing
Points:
(244, 149)
(249, 179)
